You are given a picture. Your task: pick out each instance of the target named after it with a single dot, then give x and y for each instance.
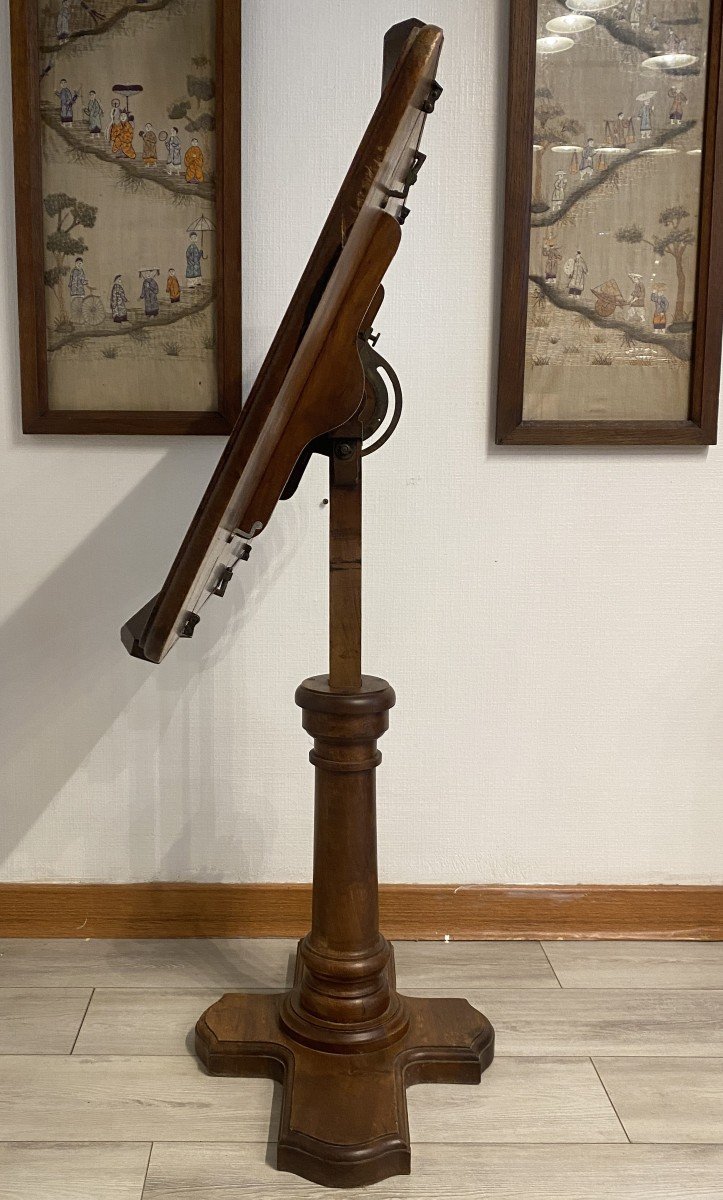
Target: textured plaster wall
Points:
(551, 619)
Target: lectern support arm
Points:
(345, 565)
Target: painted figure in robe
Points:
(173, 287)
(576, 270)
(587, 159)
(122, 143)
(661, 304)
(118, 301)
(67, 99)
(173, 151)
(94, 113)
(149, 296)
(194, 258)
(558, 191)
(115, 111)
(677, 99)
(77, 284)
(150, 145)
(194, 162)
(63, 23)
(636, 299)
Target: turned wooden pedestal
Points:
(343, 1043)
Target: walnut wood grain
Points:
(379, 169)
(472, 912)
(343, 1042)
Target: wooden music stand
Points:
(342, 1042)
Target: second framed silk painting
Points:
(127, 175)
(613, 277)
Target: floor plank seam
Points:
(549, 961)
(403, 988)
(82, 1020)
(627, 1145)
(578, 1055)
(148, 1167)
(617, 1114)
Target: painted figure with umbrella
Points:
(149, 290)
(201, 226)
(194, 257)
(127, 90)
(647, 108)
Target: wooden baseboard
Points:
(414, 911)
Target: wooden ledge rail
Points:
(412, 911)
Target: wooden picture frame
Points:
(39, 414)
(699, 426)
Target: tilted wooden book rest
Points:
(342, 1042)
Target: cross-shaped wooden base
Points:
(344, 1115)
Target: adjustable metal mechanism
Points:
(434, 93)
(241, 554)
(344, 457)
(239, 533)
(223, 581)
(376, 399)
(346, 446)
(418, 161)
(189, 625)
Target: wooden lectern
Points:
(342, 1042)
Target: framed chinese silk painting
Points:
(127, 149)
(612, 295)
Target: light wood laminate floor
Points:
(607, 1085)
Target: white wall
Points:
(551, 619)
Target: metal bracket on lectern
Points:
(189, 625)
(345, 455)
(434, 93)
(418, 161)
(377, 393)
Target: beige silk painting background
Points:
(580, 364)
(143, 214)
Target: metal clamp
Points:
(434, 93)
(222, 582)
(189, 625)
(373, 363)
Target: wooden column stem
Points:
(345, 564)
(344, 998)
(342, 1041)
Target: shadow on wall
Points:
(67, 679)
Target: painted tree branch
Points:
(133, 168)
(678, 346)
(623, 32)
(545, 220)
(105, 26)
(626, 34)
(170, 317)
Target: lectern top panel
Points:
(312, 380)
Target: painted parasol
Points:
(201, 225)
(127, 90)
